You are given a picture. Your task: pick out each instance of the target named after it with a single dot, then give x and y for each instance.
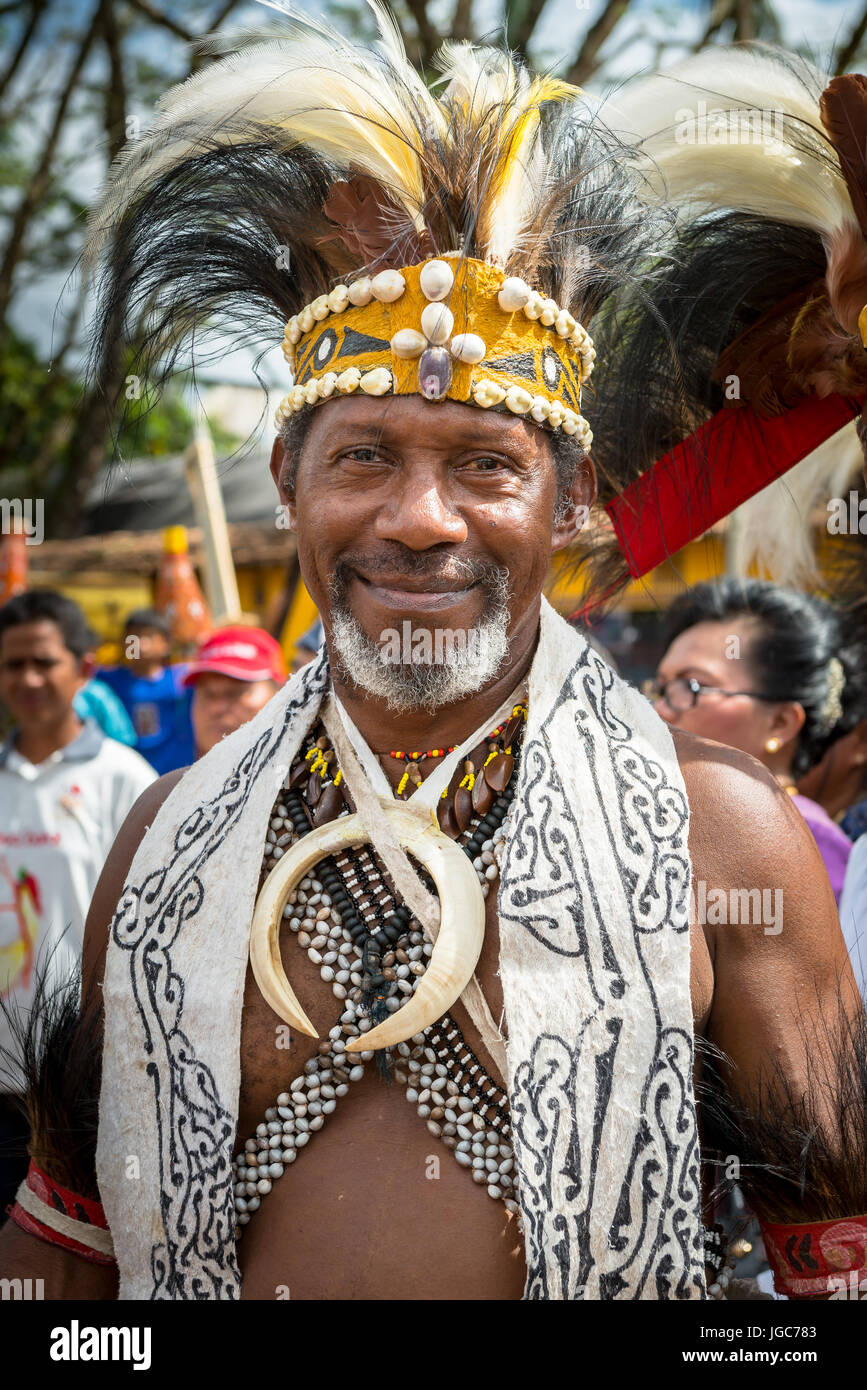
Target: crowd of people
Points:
(85, 742)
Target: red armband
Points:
(61, 1217)
(817, 1257)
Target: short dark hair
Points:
(46, 605)
(567, 453)
(147, 617)
(797, 635)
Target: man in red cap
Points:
(235, 673)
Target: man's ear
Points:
(279, 472)
(582, 496)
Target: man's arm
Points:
(22, 1255)
(790, 1103)
(776, 979)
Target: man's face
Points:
(39, 675)
(408, 512)
(221, 704)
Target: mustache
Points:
(439, 567)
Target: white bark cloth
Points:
(594, 961)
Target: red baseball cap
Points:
(245, 653)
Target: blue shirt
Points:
(159, 708)
(96, 701)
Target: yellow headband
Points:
(466, 334)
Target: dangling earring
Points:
(772, 745)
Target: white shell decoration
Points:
(360, 292)
(348, 380)
(327, 384)
(388, 286)
(565, 324)
(320, 308)
(408, 343)
(293, 331)
(518, 400)
(487, 393)
(570, 423)
(377, 382)
(534, 305)
(437, 323)
(550, 310)
(306, 319)
(338, 299)
(468, 347)
(297, 397)
(435, 279)
(540, 409)
(513, 294)
(556, 414)
(311, 391)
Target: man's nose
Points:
(421, 513)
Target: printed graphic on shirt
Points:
(25, 903)
(146, 719)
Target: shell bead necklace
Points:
(372, 952)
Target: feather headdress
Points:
(320, 183)
(748, 343)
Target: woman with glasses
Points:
(776, 673)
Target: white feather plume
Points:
(775, 530)
(786, 170)
(309, 86)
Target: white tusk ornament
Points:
(458, 942)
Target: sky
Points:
(649, 32)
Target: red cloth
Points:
(81, 1209)
(816, 1257)
(727, 461)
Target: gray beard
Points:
(405, 686)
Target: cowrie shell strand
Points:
(360, 292)
(338, 299)
(487, 393)
(387, 286)
(348, 380)
(377, 382)
(513, 294)
(518, 400)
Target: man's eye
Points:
(362, 455)
(485, 464)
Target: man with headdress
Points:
(464, 840)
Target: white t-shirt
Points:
(58, 820)
(853, 911)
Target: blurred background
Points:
(78, 78)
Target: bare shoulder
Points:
(778, 953)
(742, 822)
(115, 871)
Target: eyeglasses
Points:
(682, 693)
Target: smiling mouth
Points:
(414, 591)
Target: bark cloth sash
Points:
(594, 960)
